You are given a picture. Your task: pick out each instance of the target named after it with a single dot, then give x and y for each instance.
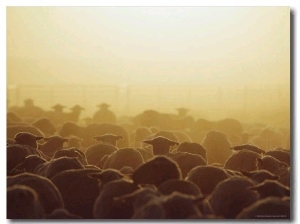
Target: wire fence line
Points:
(132, 99)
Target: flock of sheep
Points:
(150, 166)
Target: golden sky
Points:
(149, 45)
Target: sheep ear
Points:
(119, 137)
(148, 141)
(275, 177)
(39, 138)
(65, 140)
(96, 175)
(97, 138)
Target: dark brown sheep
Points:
(242, 160)
(79, 190)
(182, 186)
(207, 177)
(52, 144)
(161, 145)
(156, 171)
(187, 161)
(231, 196)
(270, 188)
(259, 176)
(106, 207)
(23, 203)
(72, 153)
(217, 147)
(192, 147)
(124, 157)
(55, 166)
(109, 138)
(95, 153)
(49, 196)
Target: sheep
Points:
(23, 203)
(79, 190)
(217, 147)
(248, 147)
(72, 129)
(28, 111)
(107, 175)
(105, 207)
(192, 147)
(182, 112)
(259, 176)
(187, 161)
(96, 152)
(146, 152)
(276, 167)
(156, 171)
(146, 203)
(167, 134)
(231, 196)
(270, 188)
(207, 177)
(267, 208)
(242, 160)
(49, 196)
(52, 144)
(15, 154)
(199, 129)
(109, 138)
(244, 137)
(29, 164)
(100, 129)
(104, 115)
(55, 166)
(28, 139)
(271, 164)
(75, 114)
(280, 154)
(272, 138)
(229, 126)
(74, 141)
(182, 186)
(127, 170)
(161, 145)
(71, 152)
(181, 206)
(138, 135)
(124, 157)
(182, 136)
(147, 118)
(45, 125)
(57, 116)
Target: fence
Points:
(132, 99)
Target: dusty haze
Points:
(217, 61)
